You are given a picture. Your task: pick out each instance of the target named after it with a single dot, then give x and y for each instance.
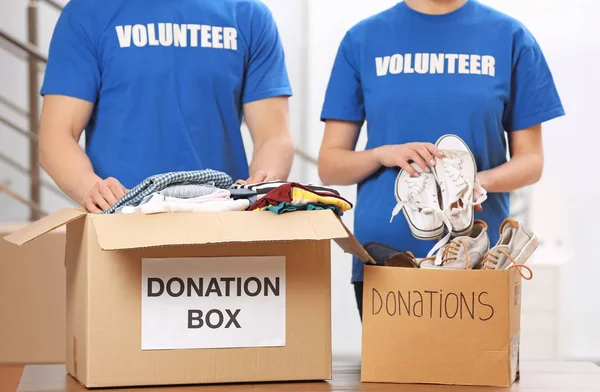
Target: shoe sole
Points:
(419, 234)
(526, 252)
(437, 175)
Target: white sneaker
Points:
(465, 252)
(456, 175)
(515, 246)
(418, 199)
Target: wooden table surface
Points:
(535, 377)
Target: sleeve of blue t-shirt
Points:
(533, 97)
(266, 72)
(73, 69)
(344, 98)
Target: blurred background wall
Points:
(562, 208)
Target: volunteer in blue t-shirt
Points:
(162, 86)
(415, 72)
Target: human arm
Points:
(339, 164)
(62, 122)
(525, 166)
(268, 122)
(265, 97)
(71, 85)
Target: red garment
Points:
(283, 194)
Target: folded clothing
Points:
(210, 203)
(282, 208)
(241, 193)
(262, 188)
(188, 191)
(161, 181)
(299, 194)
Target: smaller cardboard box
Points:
(197, 298)
(441, 327)
(32, 299)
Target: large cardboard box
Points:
(32, 299)
(192, 298)
(441, 327)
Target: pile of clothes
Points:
(211, 190)
(281, 197)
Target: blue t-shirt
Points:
(475, 72)
(168, 80)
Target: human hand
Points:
(259, 176)
(103, 194)
(400, 155)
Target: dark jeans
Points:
(358, 292)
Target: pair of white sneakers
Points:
(441, 200)
(515, 245)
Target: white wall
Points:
(311, 31)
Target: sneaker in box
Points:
(197, 298)
(456, 327)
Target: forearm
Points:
(522, 170)
(343, 167)
(274, 157)
(68, 165)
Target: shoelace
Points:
(490, 261)
(453, 167)
(451, 250)
(520, 268)
(450, 253)
(416, 186)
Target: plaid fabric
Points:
(161, 181)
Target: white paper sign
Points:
(213, 302)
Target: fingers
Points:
(408, 168)
(259, 176)
(433, 150)
(416, 158)
(116, 188)
(90, 206)
(99, 200)
(107, 193)
(478, 208)
(426, 155)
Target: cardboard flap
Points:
(351, 245)
(44, 225)
(118, 232)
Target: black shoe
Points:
(385, 256)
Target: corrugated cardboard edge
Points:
(111, 239)
(44, 225)
(514, 279)
(115, 232)
(351, 245)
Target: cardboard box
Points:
(187, 298)
(32, 299)
(441, 327)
